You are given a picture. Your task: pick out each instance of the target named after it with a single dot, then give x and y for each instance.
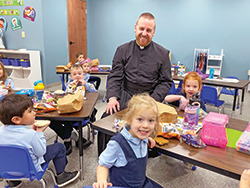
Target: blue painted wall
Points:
(181, 26)
(48, 34)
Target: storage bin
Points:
(6, 62)
(216, 119)
(243, 144)
(15, 62)
(25, 63)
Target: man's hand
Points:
(113, 104)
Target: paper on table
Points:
(224, 80)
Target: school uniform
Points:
(126, 158)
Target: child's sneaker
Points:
(14, 184)
(66, 178)
(75, 135)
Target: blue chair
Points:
(16, 164)
(231, 91)
(63, 84)
(209, 95)
(179, 88)
(172, 90)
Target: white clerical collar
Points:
(141, 47)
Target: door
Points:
(77, 28)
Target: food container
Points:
(216, 119)
(243, 144)
(214, 135)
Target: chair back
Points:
(16, 163)
(209, 95)
(229, 91)
(172, 90)
(179, 88)
(63, 84)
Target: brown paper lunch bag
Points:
(70, 103)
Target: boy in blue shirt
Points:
(16, 113)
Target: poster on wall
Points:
(29, 13)
(9, 12)
(11, 2)
(3, 23)
(15, 23)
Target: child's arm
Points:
(245, 179)
(102, 177)
(151, 142)
(172, 98)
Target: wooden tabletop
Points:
(226, 161)
(92, 72)
(84, 113)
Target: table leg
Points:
(235, 96)
(242, 99)
(80, 150)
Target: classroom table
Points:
(66, 73)
(228, 161)
(239, 85)
(83, 114)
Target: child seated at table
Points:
(77, 80)
(64, 129)
(191, 85)
(87, 77)
(124, 160)
(16, 113)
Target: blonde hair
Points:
(75, 67)
(4, 77)
(192, 76)
(139, 102)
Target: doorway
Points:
(77, 28)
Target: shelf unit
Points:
(208, 61)
(24, 77)
(215, 62)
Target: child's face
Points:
(77, 74)
(80, 58)
(143, 124)
(191, 87)
(28, 117)
(85, 67)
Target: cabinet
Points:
(24, 77)
(205, 61)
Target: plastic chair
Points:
(179, 88)
(172, 90)
(231, 91)
(209, 95)
(16, 164)
(63, 84)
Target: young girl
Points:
(125, 158)
(7, 82)
(191, 85)
(86, 69)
